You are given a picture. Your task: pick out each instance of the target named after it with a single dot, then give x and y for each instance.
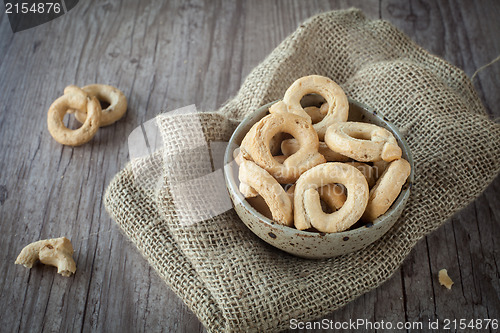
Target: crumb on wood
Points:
(444, 279)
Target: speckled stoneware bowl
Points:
(307, 244)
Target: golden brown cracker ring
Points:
(278, 107)
(338, 105)
(75, 100)
(74, 89)
(323, 109)
(362, 142)
(109, 94)
(290, 146)
(387, 189)
(316, 113)
(332, 194)
(256, 146)
(307, 206)
(276, 199)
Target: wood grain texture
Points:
(165, 55)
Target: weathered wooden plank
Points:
(49, 303)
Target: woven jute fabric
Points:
(232, 280)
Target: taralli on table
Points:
(255, 145)
(276, 199)
(387, 189)
(307, 206)
(109, 94)
(338, 104)
(362, 142)
(56, 252)
(291, 146)
(75, 99)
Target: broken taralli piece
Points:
(56, 252)
(444, 279)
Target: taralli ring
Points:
(290, 146)
(77, 99)
(255, 146)
(317, 114)
(109, 94)
(307, 206)
(363, 142)
(332, 194)
(275, 196)
(338, 105)
(387, 189)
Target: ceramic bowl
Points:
(306, 244)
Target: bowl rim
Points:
(400, 200)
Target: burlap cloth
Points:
(231, 279)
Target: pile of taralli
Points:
(85, 104)
(331, 174)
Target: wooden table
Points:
(165, 55)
